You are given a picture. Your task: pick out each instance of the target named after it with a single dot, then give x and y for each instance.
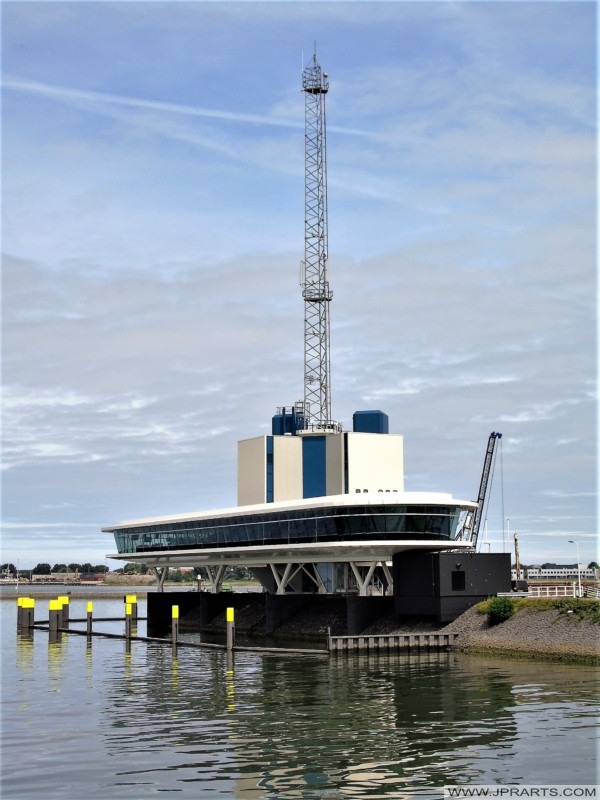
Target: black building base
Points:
(350, 615)
(439, 586)
(444, 585)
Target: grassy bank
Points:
(573, 608)
(549, 629)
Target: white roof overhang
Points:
(372, 500)
(261, 555)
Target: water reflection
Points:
(289, 726)
(132, 721)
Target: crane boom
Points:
(485, 475)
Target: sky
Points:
(153, 224)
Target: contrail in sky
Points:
(66, 94)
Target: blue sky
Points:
(153, 226)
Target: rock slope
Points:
(542, 633)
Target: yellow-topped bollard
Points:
(64, 599)
(55, 608)
(25, 607)
(174, 627)
(230, 617)
(90, 611)
(20, 614)
(128, 610)
(131, 599)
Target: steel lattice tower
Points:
(315, 285)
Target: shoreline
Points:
(537, 632)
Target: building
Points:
(322, 510)
(297, 462)
(330, 517)
(557, 572)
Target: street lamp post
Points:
(571, 541)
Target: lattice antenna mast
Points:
(314, 282)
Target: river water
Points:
(96, 720)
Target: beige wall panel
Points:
(252, 471)
(287, 472)
(375, 461)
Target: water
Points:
(94, 721)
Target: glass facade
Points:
(299, 526)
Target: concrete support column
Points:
(161, 574)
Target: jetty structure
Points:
(322, 511)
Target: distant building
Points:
(553, 572)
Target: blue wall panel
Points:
(314, 473)
(269, 476)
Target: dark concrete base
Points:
(440, 586)
(281, 608)
(364, 611)
(205, 606)
(300, 613)
(445, 585)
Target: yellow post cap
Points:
(64, 599)
(175, 612)
(28, 602)
(90, 607)
(55, 605)
(20, 602)
(128, 609)
(230, 615)
(130, 598)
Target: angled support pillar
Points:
(363, 584)
(283, 580)
(161, 574)
(216, 575)
(313, 573)
(388, 577)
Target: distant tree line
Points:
(185, 575)
(47, 569)
(175, 575)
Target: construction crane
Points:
(470, 530)
(314, 280)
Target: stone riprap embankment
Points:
(549, 633)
